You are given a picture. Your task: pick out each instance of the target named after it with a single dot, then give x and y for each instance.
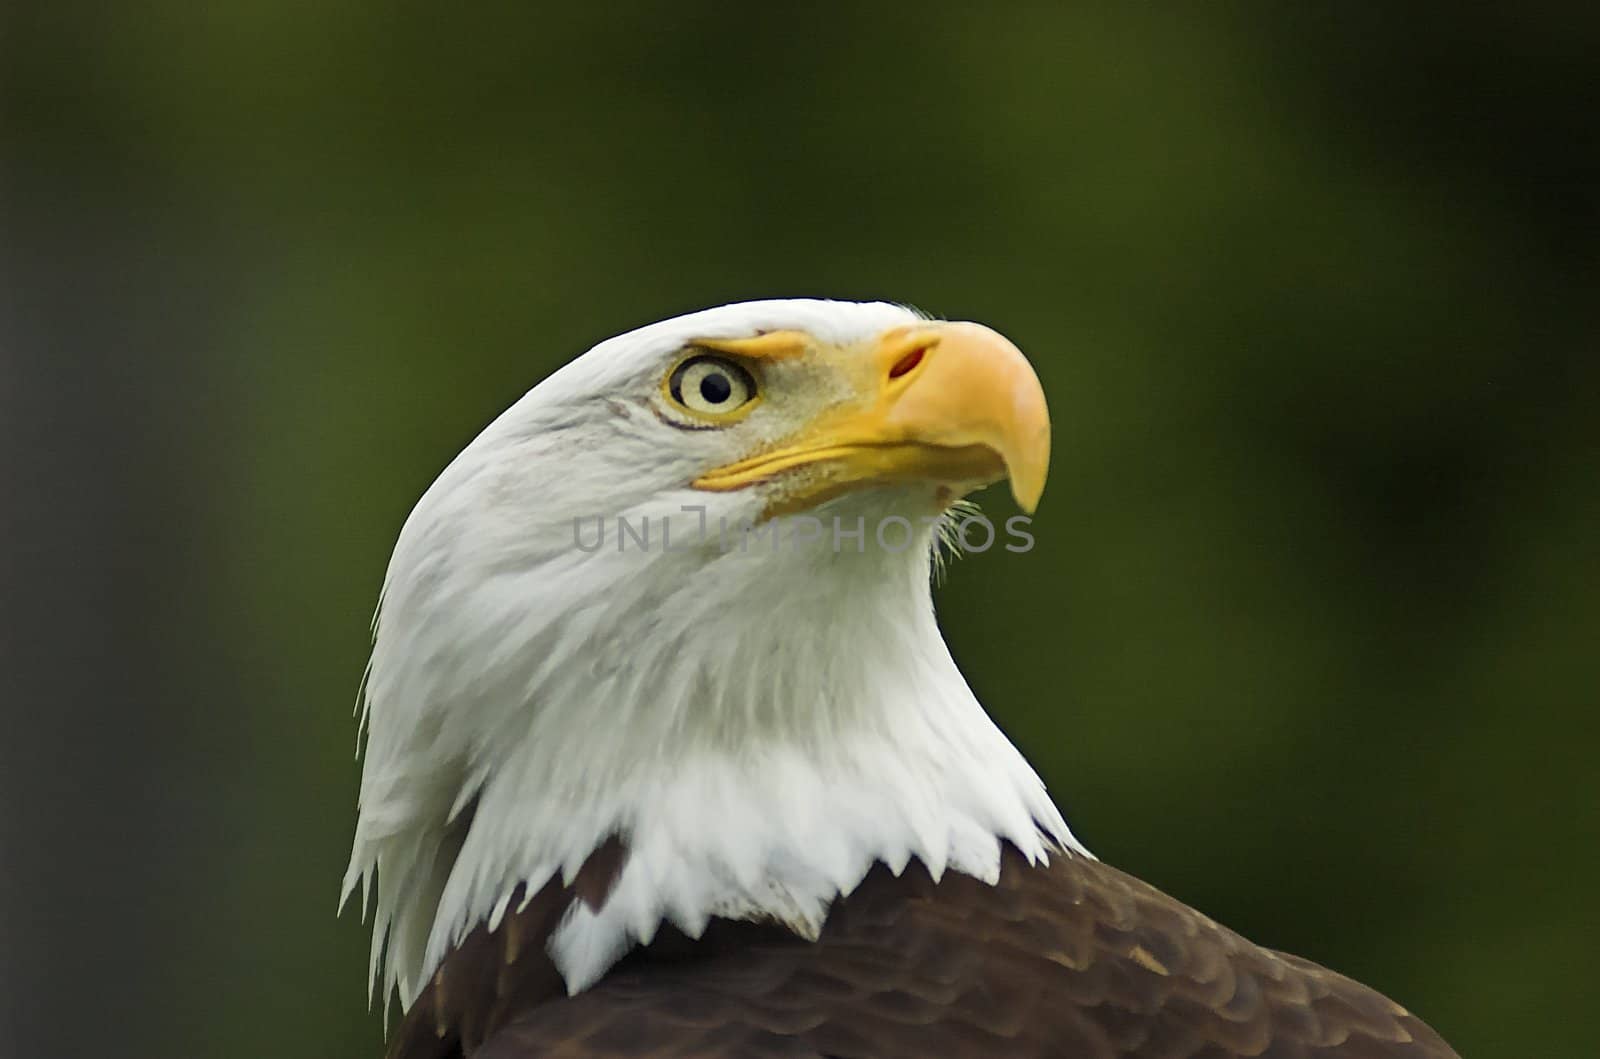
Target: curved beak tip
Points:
(978, 387)
(1027, 491)
(1021, 424)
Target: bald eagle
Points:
(634, 785)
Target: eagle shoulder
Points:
(1073, 958)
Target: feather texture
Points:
(1072, 959)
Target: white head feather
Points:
(762, 725)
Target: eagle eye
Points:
(711, 387)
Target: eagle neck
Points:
(753, 770)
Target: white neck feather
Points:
(756, 769)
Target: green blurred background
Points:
(1309, 636)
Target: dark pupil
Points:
(716, 388)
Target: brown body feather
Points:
(1074, 960)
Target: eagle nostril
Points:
(908, 362)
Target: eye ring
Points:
(711, 387)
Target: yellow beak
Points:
(951, 404)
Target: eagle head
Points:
(677, 597)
